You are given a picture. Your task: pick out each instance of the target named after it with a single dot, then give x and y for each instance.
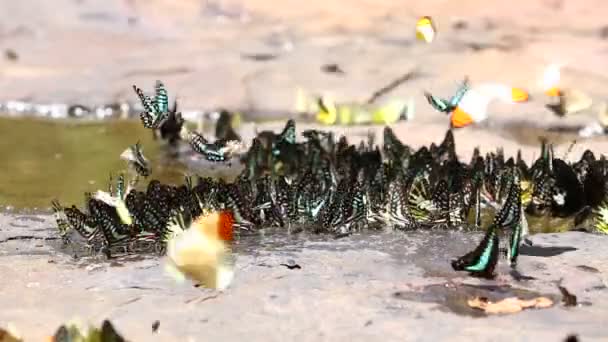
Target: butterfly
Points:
(73, 218)
(217, 151)
(74, 332)
(136, 160)
(570, 101)
(483, 259)
(286, 138)
(425, 29)
(447, 106)
(197, 249)
(156, 111)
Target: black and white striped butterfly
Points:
(156, 110)
(136, 160)
(216, 151)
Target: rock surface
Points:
(254, 54)
(370, 287)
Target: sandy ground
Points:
(386, 287)
(92, 51)
(87, 52)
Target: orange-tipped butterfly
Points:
(200, 250)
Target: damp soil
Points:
(453, 297)
(532, 133)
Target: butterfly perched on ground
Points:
(600, 220)
(447, 106)
(224, 129)
(570, 101)
(69, 218)
(75, 332)
(217, 151)
(287, 137)
(156, 110)
(508, 222)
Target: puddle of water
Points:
(44, 159)
(453, 297)
(531, 135)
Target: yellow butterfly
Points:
(331, 113)
(425, 29)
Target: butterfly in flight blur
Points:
(447, 106)
(156, 110)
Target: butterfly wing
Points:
(483, 259)
(149, 117)
(464, 87)
(198, 142)
(438, 103)
(289, 132)
(146, 101)
(161, 98)
(214, 152)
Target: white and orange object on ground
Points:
(201, 250)
(470, 105)
(569, 101)
(551, 79)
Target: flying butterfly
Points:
(161, 99)
(425, 29)
(156, 110)
(447, 106)
(197, 249)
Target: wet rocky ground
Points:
(389, 286)
(253, 55)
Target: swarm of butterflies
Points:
(327, 185)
